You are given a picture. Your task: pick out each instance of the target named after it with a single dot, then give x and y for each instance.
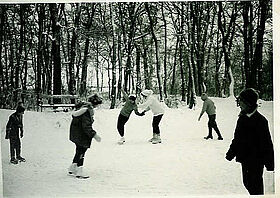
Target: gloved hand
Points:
(97, 138)
(269, 166)
(7, 134)
(228, 158)
(21, 134)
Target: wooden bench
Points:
(55, 106)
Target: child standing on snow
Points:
(252, 145)
(129, 106)
(81, 134)
(13, 127)
(153, 104)
(210, 108)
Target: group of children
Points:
(151, 103)
(252, 145)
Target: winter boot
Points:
(153, 138)
(220, 138)
(121, 141)
(72, 170)
(21, 159)
(81, 174)
(14, 161)
(157, 139)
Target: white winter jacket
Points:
(152, 104)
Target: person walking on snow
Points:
(252, 145)
(14, 131)
(210, 108)
(153, 104)
(129, 106)
(81, 134)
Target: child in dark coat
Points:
(81, 134)
(14, 131)
(252, 145)
(129, 106)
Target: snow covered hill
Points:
(184, 164)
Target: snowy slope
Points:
(183, 165)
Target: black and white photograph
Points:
(139, 98)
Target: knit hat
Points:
(20, 109)
(249, 96)
(95, 99)
(147, 92)
(132, 97)
(204, 96)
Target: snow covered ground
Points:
(184, 164)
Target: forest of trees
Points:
(177, 49)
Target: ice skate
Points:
(72, 170)
(220, 138)
(153, 138)
(14, 161)
(21, 159)
(81, 174)
(208, 137)
(121, 141)
(156, 140)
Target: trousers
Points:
(79, 155)
(213, 125)
(253, 178)
(156, 121)
(15, 146)
(121, 122)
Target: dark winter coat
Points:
(81, 131)
(252, 142)
(13, 126)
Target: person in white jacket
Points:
(153, 104)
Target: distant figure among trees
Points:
(14, 131)
(210, 108)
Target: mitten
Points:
(7, 134)
(97, 138)
(229, 158)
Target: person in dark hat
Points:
(14, 131)
(252, 145)
(129, 106)
(81, 134)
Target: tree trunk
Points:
(173, 84)
(156, 48)
(165, 52)
(72, 81)
(128, 41)
(138, 74)
(57, 84)
(97, 67)
(2, 24)
(246, 41)
(226, 45)
(41, 16)
(114, 58)
(120, 67)
(258, 55)
(86, 52)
